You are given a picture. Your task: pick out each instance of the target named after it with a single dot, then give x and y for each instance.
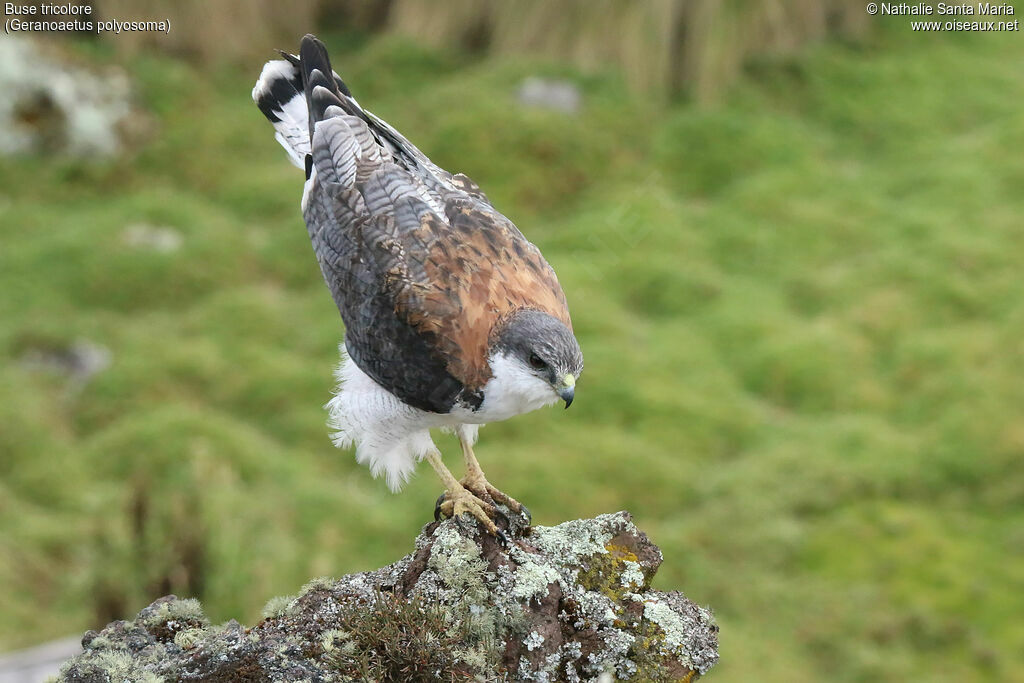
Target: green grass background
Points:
(800, 310)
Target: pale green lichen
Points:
(457, 562)
(479, 658)
(673, 627)
(279, 606)
(334, 638)
(116, 664)
(189, 610)
(569, 541)
(103, 643)
(165, 619)
(632, 577)
(531, 579)
(189, 638)
(105, 665)
(533, 641)
(318, 583)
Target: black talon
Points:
(526, 513)
(437, 506)
(461, 523)
(498, 514)
(503, 539)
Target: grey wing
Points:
(412, 158)
(363, 212)
(372, 203)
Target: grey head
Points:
(546, 347)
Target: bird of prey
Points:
(452, 318)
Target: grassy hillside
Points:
(800, 310)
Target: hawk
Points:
(453, 319)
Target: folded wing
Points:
(420, 264)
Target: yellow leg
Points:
(476, 482)
(460, 499)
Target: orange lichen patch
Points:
(605, 573)
(621, 553)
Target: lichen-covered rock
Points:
(566, 603)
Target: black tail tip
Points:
(313, 54)
(311, 43)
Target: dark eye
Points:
(536, 362)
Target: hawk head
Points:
(535, 360)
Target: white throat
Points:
(512, 390)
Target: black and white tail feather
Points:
(298, 97)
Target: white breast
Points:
(391, 436)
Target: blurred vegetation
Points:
(661, 47)
(800, 308)
(204, 31)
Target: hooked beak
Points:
(568, 389)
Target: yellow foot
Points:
(473, 495)
(475, 482)
(459, 499)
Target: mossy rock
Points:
(571, 602)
